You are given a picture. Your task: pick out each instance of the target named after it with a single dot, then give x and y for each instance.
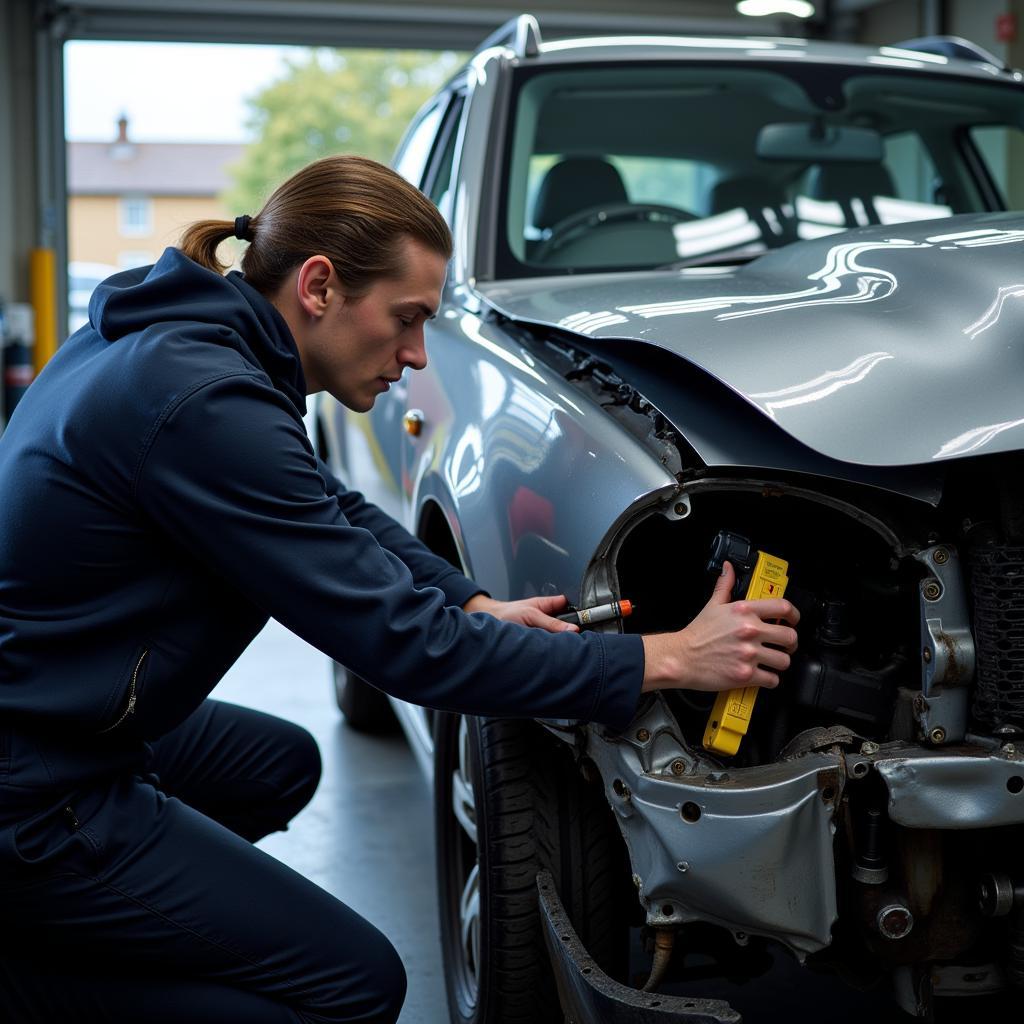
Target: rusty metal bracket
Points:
(589, 996)
(947, 648)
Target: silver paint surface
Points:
(757, 861)
(962, 791)
(882, 346)
(528, 473)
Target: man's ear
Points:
(315, 285)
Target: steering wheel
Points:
(584, 221)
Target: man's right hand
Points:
(725, 646)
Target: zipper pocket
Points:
(132, 695)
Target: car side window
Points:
(414, 151)
(437, 184)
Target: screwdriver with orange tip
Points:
(598, 613)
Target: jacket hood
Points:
(886, 346)
(177, 290)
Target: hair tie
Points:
(242, 227)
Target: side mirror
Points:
(816, 142)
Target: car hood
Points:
(885, 346)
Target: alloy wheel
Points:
(467, 868)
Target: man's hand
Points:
(724, 647)
(532, 611)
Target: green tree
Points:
(332, 101)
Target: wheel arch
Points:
(438, 529)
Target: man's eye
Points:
(404, 321)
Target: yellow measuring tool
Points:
(730, 717)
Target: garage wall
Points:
(890, 22)
(18, 194)
(976, 20)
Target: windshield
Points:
(616, 167)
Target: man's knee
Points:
(286, 784)
(372, 989)
(304, 767)
(389, 978)
(295, 771)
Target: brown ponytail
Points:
(201, 240)
(350, 209)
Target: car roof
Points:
(764, 50)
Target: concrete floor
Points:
(367, 837)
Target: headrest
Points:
(745, 193)
(844, 181)
(574, 184)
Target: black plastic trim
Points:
(589, 996)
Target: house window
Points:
(136, 216)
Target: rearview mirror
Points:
(817, 142)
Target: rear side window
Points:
(414, 150)
(439, 178)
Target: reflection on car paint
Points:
(973, 440)
(471, 328)
(465, 470)
(980, 238)
(842, 263)
(918, 56)
(492, 388)
(843, 279)
(675, 42)
(823, 385)
(991, 315)
(586, 322)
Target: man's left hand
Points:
(531, 611)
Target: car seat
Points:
(854, 187)
(574, 184)
(765, 204)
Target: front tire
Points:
(509, 801)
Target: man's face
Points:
(360, 346)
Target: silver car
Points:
(754, 288)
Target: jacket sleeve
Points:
(428, 569)
(229, 475)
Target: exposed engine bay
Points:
(845, 827)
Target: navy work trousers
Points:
(145, 900)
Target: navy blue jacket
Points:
(159, 500)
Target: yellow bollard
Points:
(42, 274)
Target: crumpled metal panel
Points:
(955, 792)
(750, 849)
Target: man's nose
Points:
(414, 353)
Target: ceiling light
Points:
(761, 8)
